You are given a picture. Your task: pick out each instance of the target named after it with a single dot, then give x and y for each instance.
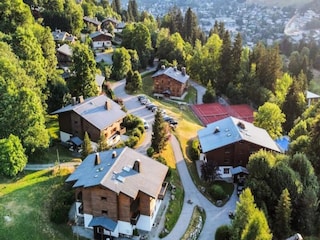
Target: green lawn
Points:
(26, 201)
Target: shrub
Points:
(136, 132)
(194, 150)
(150, 151)
(217, 192)
(223, 233)
(132, 141)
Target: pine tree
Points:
(158, 140)
(236, 56)
(133, 14)
(226, 68)
(282, 226)
(190, 27)
(102, 144)
(86, 145)
(136, 81)
(116, 6)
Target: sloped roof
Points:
(312, 95)
(173, 73)
(98, 33)
(104, 222)
(65, 49)
(117, 174)
(99, 79)
(94, 21)
(94, 111)
(228, 131)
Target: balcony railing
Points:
(134, 218)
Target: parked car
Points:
(150, 106)
(172, 122)
(145, 101)
(145, 123)
(141, 97)
(154, 109)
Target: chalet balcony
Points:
(163, 190)
(134, 218)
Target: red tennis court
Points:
(211, 112)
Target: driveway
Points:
(215, 216)
(200, 90)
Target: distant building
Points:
(229, 142)
(117, 191)
(92, 22)
(64, 55)
(101, 40)
(62, 36)
(312, 98)
(170, 82)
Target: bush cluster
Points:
(217, 192)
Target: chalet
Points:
(229, 142)
(95, 115)
(88, 21)
(62, 36)
(170, 82)
(117, 25)
(117, 191)
(64, 55)
(101, 40)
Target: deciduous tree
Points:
(12, 156)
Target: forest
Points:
(283, 189)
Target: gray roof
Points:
(65, 49)
(94, 111)
(98, 33)
(94, 21)
(104, 222)
(173, 73)
(117, 174)
(99, 79)
(59, 35)
(312, 95)
(227, 131)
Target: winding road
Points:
(215, 216)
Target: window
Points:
(226, 170)
(100, 230)
(104, 212)
(104, 198)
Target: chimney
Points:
(241, 125)
(216, 130)
(73, 101)
(163, 67)
(114, 154)
(107, 105)
(136, 165)
(183, 71)
(175, 68)
(81, 100)
(97, 159)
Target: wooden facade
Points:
(72, 123)
(98, 201)
(164, 83)
(236, 154)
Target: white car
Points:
(145, 123)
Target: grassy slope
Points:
(26, 201)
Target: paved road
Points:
(200, 90)
(215, 216)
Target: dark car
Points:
(150, 106)
(172, 122)
(141, 97)
(240, 188)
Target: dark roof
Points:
(231, 130)
(98, 33)
(105, 222)
(92, 20)
(173, 73)
(116, 172)
(93, 110)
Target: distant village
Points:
(254, 22)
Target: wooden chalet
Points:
(170, 82)
(118, 191)
(95, 115)
(101, 39)
(229, 142)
